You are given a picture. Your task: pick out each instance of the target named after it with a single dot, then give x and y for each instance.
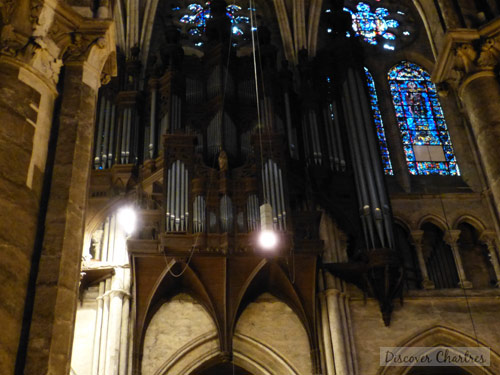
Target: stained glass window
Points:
(371, 24)
(382, 141)
(389, 28)
(424, 132)
(196, 16)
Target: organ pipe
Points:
(226, 214)
(373, 200)
(274, 193)
(199, 214)
(111, 143)
(177, 213)
(97, 157)
(152, 124)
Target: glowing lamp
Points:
(268, 239)
(127, 219)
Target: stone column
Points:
(52, 324)
(324, 328)
(481, 98)
(125, 318)
(97, 329)
(26, 106)
(451, 237)
(417, 236)
(103, 345)
(468, 64)
(337, 332)
(326, 337)
(29, 72)
(450, 17)
(53, 316)
(489, 239)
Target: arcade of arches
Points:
(146, 144)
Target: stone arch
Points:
(168, 286)
(101, 57)
(180, 334)
(428, 27)
(257, 341)
(433, 219)
(402, 222)
(203, 355)
(444, 336)
(473, 221)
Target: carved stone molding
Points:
(58, 35)
(468, 54)
(6, 10)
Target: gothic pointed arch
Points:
(445, 336)
(177, 278)
(424, 132)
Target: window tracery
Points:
(372, 23)
(194, 16)
(421, 122)
(388, 27)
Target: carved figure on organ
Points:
(223, 163)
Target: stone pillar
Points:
(26, 106)
(97, 329)
(468, 64)
(337, 331)
(451, 237)
(481, 98)
(326, 340)
(103, 345)
(51, 334)
(488, 238)
(125, 322)
(417, 236)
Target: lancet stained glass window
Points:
(424, 132)
(377, 117)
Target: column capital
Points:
(451, 236)
(488, 237)
(468, 54)
(416, 237)
(56, 33)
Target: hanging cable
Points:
(253, 30)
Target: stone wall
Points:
(176, 325)
(422, 311)
(83, 341)
(276, 328)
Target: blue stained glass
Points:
(198, 15)
(384, 152)
(372, 24)
(421, 120)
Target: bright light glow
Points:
(268, 239)
(127, 219)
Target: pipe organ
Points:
(311, 148)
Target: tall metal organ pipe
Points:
(177, 209)
(272, 179)
(374, 203)
(152, 124)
